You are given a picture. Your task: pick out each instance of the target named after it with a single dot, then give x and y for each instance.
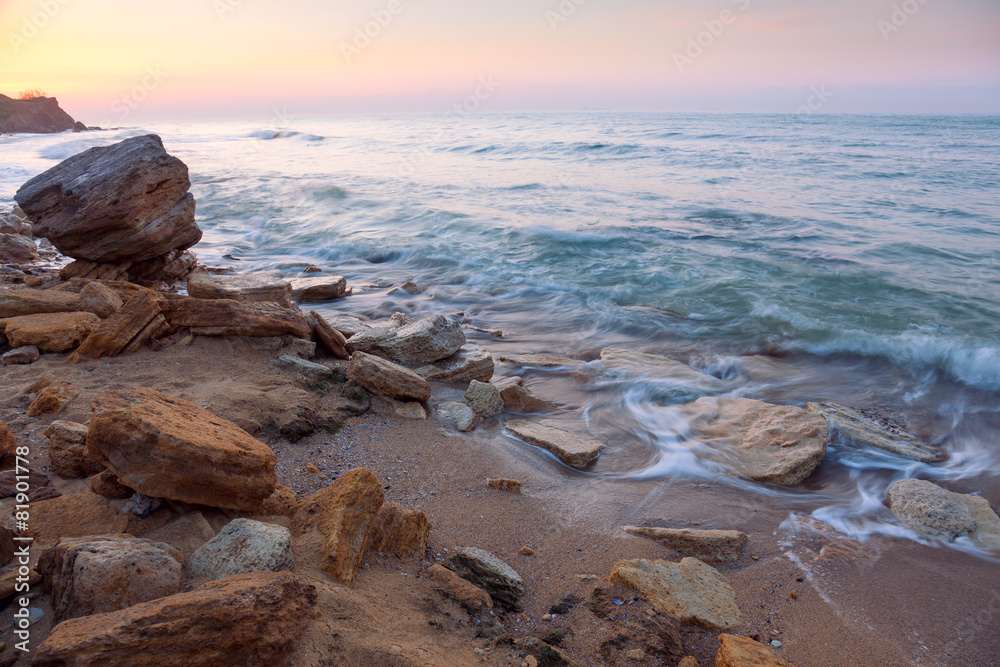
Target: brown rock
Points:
(116, 332)
(100, 299)
(156, 328)
(511, 485)
(490, 573)
(246, 288)
(68, 450)
(52, 398)
(466, 593)
(319, 289)
(174, 265)
(399, 532)
(17, 249)
(17, 302)
(413, 411)
(251, 619)
(282, 502)
(8, 481)
(331, 339)
(7, 440)
(9, 582)
(166, 447)
(735, 651)
(526, 551)
(573, 449)
(383, 377)
(710, 546)
(106, 484)
(689, 661)
(81, 514)
(6, 545)
(49, 332)
(519, 399)
(344, 513)
(227, 317)
(85, 269)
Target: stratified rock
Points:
(68, 450)
(488, 572)
(539, 361)
(114, 334)
(102, 573)
(82, 514)
(244, 545)
(736, 651)
(247, 287)
(52, 396)
(16, 302)
(778, 444)
(84, 269)
(464, 592)
(166, 447)
(17, 249)
(464, 416)
(100, 299)
(520, 399)
(174, 265)
(938, 513)
(573, 449)
(856, 426)
(37, 115)
(385, 378)
(344, 513)
(106, 484)
(690, 591)
(424, 341)
(253, 619)
(710, 546)
(319, 289)
(399, 532)
(330, 337)
(7, 439)
(512, 485)
(129, 201)
(307, 370)
(27, 354)
(50, 332)
(413, 411)
(226, 317)
(464, 366)
(484, 398)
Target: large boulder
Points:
(126, 202)
(244, 545)
(50, 332)
(424, 341)
(253, 619)
(166, 447)
(938, 513)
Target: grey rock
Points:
(11, 224)
(573, 449)
(484, 399)
(464, 416)
(517, 398)
(142, 505)
(243, 546)
(426, 340)
(17, 249)
(26, 354)
(488, 572)
(540, 361)
(385, 378)
(938, 513)
(412, 411)
(308, 370)
(464, 366)
(859, 428)
(319, 289)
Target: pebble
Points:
(526, 551)
(636, 655)
(775, 643)
(311, 467)
(547, 617)
(32, 281)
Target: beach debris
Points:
(511, 485)
(493, 575)
(574, 449)
(938, 513)
(399, 532)
(243, 287)
(465, 365)
(255, 618)
(68, 450)
(467, 594)
(97, 298)
(423, 341)
(106, 484)
(166, 447)
(27, 354)
(15, 302)
(710, 546)
(484, 398)
(859, 428)
(51, 395)
(17, 249)
(737, 651)
(413, 411)
(689, 591)
(242, 546)
(464, 416)
(323, 288)
(103, 573)
(385, 378)
(778, 444)
(309, 371)
(332, 339)
(517, 398)
(49, 332)
(539, 361)
(226, 317)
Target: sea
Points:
(795, 258)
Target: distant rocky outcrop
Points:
(41, 115)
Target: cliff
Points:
(38, 115)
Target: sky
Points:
(116, 61)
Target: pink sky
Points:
(118, 61)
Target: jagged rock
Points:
(100, 299)
(938, 513)
(11, 224)
(385, 378)
(856, 426)
(17, 249)
(488, 572)
(735, 651)
(539, 361)
(166, 447)
(7, 439)
(484, 398)
(778, 444)
(690, 591)
(126, 202)
(244, 545)
(464, 416)
(27, 354)
(464, 366)
(464, 592)
(344, 513)
(41, 115)
(412, 411)
(102, 573)
(511, 485)
(68, 450)
(573, 449)
(519, 399)
(710, 546)
(424, 341)
(226, 317)
(282, 502)
(399, 532)
(307, 370)
(50, 332)
(51, 396)
(252, 619)
(247, 288)
(106, 484)
(330, 337)
(114, 334)
(319, 289)
(17, 302)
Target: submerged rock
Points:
(464, 366)
(488, 572)
(661, 366)
(856, 426)
(710, 546)
(938, 513)
(573, 449)
(517, 398)
(539, 361)
(424, 341)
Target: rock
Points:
(424, 341)
(174, 265)
(142, 505)
(21, 355)
(85, 269)
(106, 484)
(52, 397)
(399, 320)
(636, 655)
(662, 368)
(511, 485)
(412, 411)
(461, 367)
(166, 447)
(938, 513)
(690, 591)
(282, 502)
(399, 532)
(35, 115)
(737, 651)
(68, 450)
(8, 481)
(319, 289)
(465, 418)
(344, 513)
(226, 317)
(15, 302)
(82, 514)
(17, 249)
(312, 468)
(710, 546)
(114, 334)
(859, 428)
(573, 449)
(102, 573)
(689, 661)
(526, 551)
(544, 653)
(6, 546)
(247, 287)
(100, 300)
(519, 399)
(50, 332)
(309, 371)
(484, 398)
(244, 545)
(252, 619)
(331, 339)
(9, 582)
(348, 325)
(778, 444)
(488, 572)
(186, 533)
(467, 594)
(11, 224)
(129, 201)
(7, 439)
(385, 378)
(540, 361)
(297, 347)
(32, 281)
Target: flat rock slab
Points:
(310, 371)
(710, 546)
(16, 302)
(50, 332)
(938, 513)
(735, 651)
(319, 289)
(777, 444)
(661, 367)
(423, 341)
(246, 287)
(242, 546)
(488, 572)
(859, 428)
(690, 591)
(383, 377)
(540, 361)
(228, 317)
(573, 449)
(464, 366)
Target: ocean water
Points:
(795, 258)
